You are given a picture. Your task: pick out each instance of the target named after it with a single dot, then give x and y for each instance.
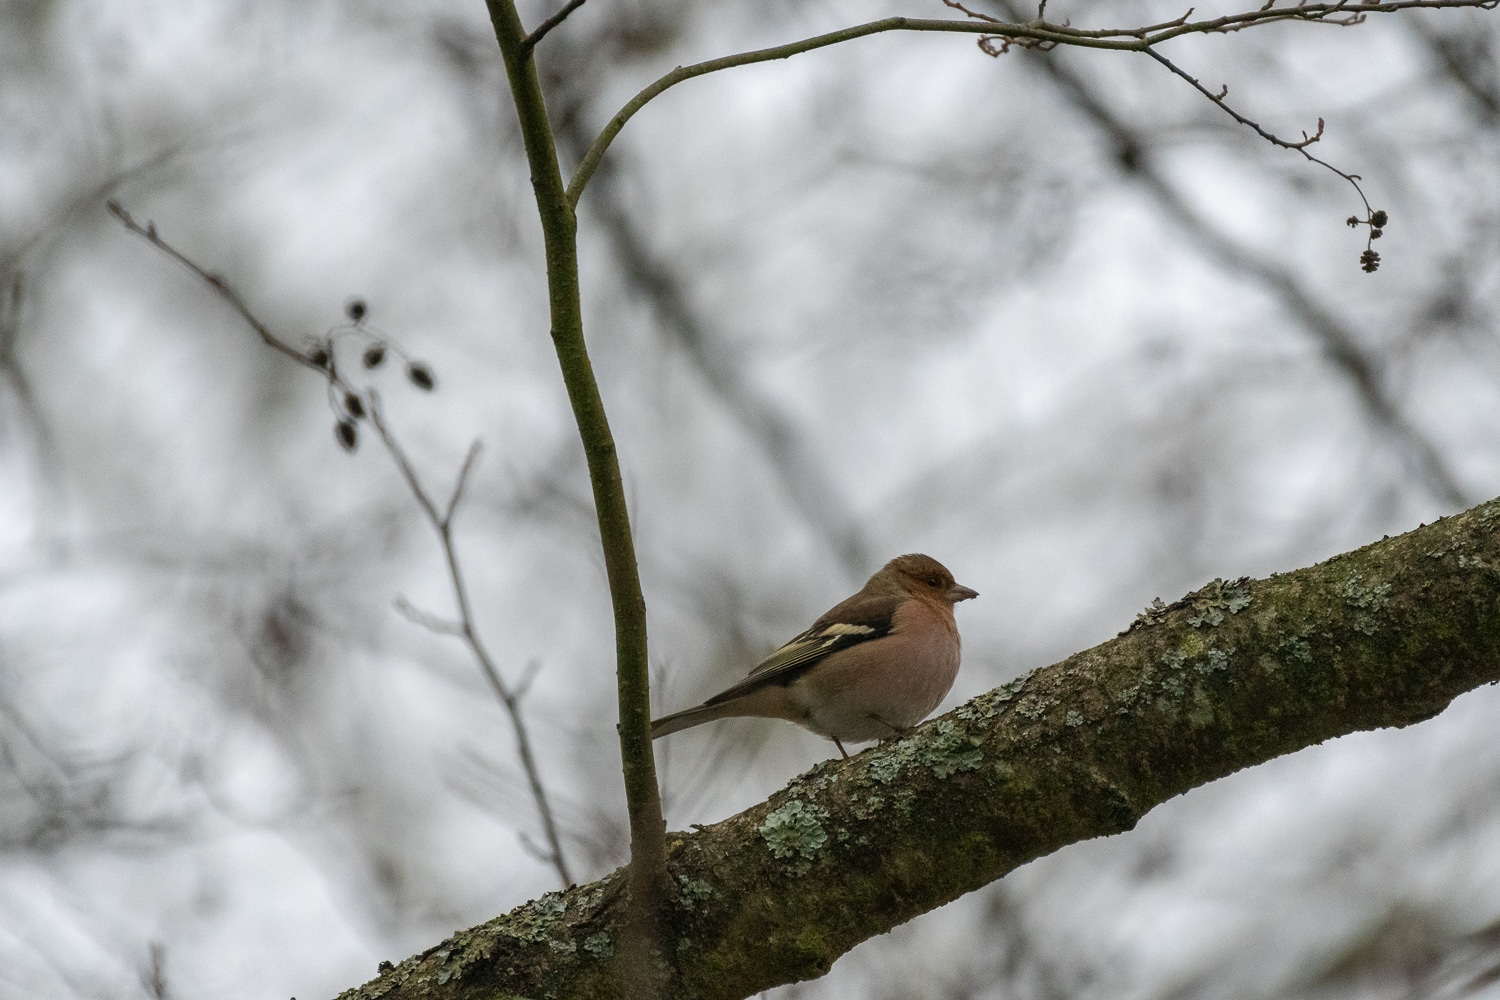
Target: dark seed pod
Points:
(421, 376)
(1379, 219)
(374, 355)
(1369, 262)
(1375, 234)
(355, 309)
(319, 357)
(1352, 221)
(347, 434)
(354, 405)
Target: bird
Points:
(870, 668)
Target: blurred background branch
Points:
(355, 403)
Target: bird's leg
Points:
(840, 746)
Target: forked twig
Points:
(464, 628)
(1221, 99)
(1374, 220)
(529, 42)
(365, 405)
(426, 619)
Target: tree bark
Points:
(1229, 676)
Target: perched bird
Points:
(872, 667)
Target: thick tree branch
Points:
(1230, 676)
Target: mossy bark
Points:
(1227, 677)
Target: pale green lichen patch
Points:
(1364, 597)
(1153, 615)
(815, 781)
(987, 705)
(795, 831)
(1034, 706)
(1214, 661)
(1192, 657)
(454, 962)
(599, 945)
(888, 765)
(535, 920)
(945, 748)
(693, 891)
(1367, 602)
(1012, 687)
(540, 921)
(951, 751)
(1295, 644)
(1218, 599)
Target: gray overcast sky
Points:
(1053, 319)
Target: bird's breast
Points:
(875, 689)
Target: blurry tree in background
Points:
(1053, 318)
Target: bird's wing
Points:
(861, 618)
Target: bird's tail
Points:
(688, 718)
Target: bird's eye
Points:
(935, 581)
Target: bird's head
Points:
(921, 574)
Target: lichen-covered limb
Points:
(1229, 676)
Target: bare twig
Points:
(154, 975)
(465, 629)
(533, 667)
(974, 13)
(1036, 33)
(645, 951)
(48, 455)
(1374, 220)
(802, 476)
(426, 619)
(463, 478)
(1340, 344)
(1221, 99)
(217, 283)
(321, 360)
(529, 42)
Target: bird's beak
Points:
(958, 592)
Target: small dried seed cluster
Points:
(349, 402)
(1369, 261)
